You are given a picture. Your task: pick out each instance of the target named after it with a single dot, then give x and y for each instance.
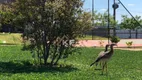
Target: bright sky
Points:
(134, 6)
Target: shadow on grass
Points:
(27, 67)
(98, 69)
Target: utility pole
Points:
(92, 18)
(114, 15)
(92, 12)
(108, 23)
(129, 13)
(114, 10)
(114, 6)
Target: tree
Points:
(49, 25)
(5, 14)
(84, 22)
(101, 19)
(130, 23)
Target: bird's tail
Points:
(93, 63)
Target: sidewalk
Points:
(96, 43)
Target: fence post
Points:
(130, 34)
(136, 33)
(92, 34)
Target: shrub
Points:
(101, 43)
(114, 39)
(129, 44)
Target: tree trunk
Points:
(46, 54)
(38, 56)
(46, 48)
(60, 53)
(54, 56)
(45, 45)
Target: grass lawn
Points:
(10, 38)
(16, 65)
(15, 38)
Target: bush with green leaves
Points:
(49, 25)
(114, 39)
(129, 44)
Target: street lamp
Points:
(114, 6)
(92, 12)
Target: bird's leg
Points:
(103, 66)
(100, 64)
(96, 64)
(106, 67)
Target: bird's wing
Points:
(101, 56)
(101, 53)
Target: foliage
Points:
(129, 44)
(6, 14)
(101, 43)
(84, 22)
(101, 19)
(16, 64)
(130, 23)
(114, 39)
(49, 25)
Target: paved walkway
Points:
(100, 43)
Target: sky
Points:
(134, 6)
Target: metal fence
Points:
(127, 34)
(123, 34)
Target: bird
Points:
(102, 52)
(105, 57)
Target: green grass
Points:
(89, 37)
(15, 38)
(10, 38)
(17, 65)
